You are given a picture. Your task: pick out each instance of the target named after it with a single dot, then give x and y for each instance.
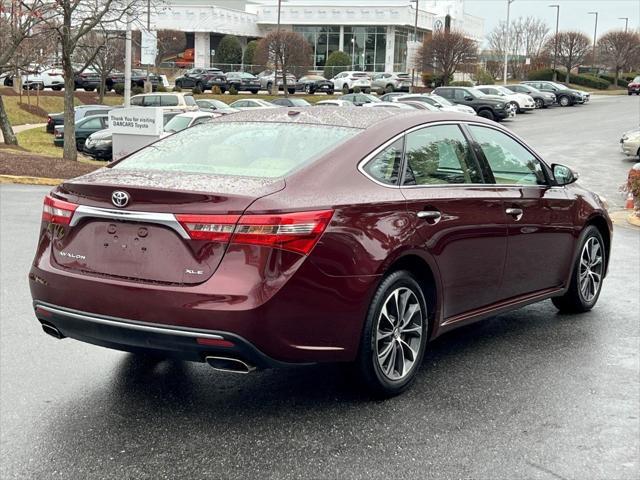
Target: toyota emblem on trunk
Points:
(120, 198)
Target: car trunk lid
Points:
(171, 230)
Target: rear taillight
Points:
(49, 120)
(57, 211)
(217, 228)
(297, 232)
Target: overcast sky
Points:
(573, 13)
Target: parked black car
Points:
(487, 106)
(99, 145)
(81, 111)
(84, 128)
(203, 78)
(542, 99)
(314, 83)
(138, 77)
(243, 82)
(87, 80)
(565, 96)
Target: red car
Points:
(294, 236)
(634, 86)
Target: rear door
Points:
(461, 221)
(539, 215)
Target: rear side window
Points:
(152, 101)
(169, 101)
(137, 101)
(510, 162)
(385, 166)
(439, 155)
(249, 149)
(189, 100)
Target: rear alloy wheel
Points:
(539, 103)
(488, 114)
(388, 89)
(587, 276)
(394, 336)
(564, 101)
(307, 89)
(345, 89)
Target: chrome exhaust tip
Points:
(53, 331)
(232, 365)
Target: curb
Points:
(25, 180)
(625, 219)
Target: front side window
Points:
(169, 101)
(385, 166)
(439, 155)
(95, 122)
(510, 162)
(137, 101)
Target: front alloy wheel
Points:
(564, 101)
(394, 336)
(588, 274)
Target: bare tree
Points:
(288, 51)
(619, 49)
(573, 48)
(20, 36)
(72, 22)
(449, 51)
(103, 51)
(170, 44)
(527, 38)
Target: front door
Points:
(461, 221)
(540, 216)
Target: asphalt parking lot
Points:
(528, 394)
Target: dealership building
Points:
(376, 34)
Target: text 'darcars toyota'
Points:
(293, 236)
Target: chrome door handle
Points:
(515, 212)
(430, 215)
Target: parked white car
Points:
(168, 101)
(630, 143)
(186, 120)
(397, 105)
(334, 103)
(41, 78)
(252, 104)
(436, 101)
(522, 101)
(347, 81)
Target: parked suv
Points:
(391, 82)
(203, 78)
(522, 101)
(267, 78)
(487, 106)
(347, 81)
(138, 77)
(171, 101)
(564, 96)
(88, 79)
(541, 99)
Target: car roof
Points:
(360, 118)
(195, 114)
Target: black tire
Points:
(269, 85)
(564, 101)
(539, 103)
(178, 84)
(222, 90)
(388, 89)
(56, 89)
(200, 86)
(368, 367)
(632, 93)
(574, 300)
(345, 89)
(291, 91)
(330, 92)
(307, 89)
(254, 92)
(89, 89)
(486, 113)
(367, 90)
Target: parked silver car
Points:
(267, 78)
(391, 82)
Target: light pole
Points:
(353, 51)
(415, 42)
(626, 23)
(506, 41)
(595, 35)
(555, 48)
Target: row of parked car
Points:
(183, 110)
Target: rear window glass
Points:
(249, 149)
(169, 100)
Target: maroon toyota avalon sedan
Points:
(294, 236)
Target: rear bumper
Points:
(140, 337)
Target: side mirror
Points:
(563, 174)
(468, 99)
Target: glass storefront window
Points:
(400, 50)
